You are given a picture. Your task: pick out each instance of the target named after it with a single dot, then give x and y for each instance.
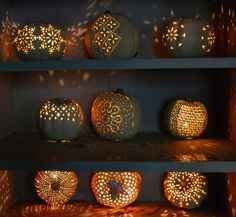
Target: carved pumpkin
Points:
(116, 189)
(56, 187)
(61, 120)
(188, 38)
(112, 36)
(185, 190)
(185, 118)
(115, 115)
(39, 42)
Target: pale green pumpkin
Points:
(115, 116)
(188, 38)
(39, 41)
(61, 120)
(112, 36)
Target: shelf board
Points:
(84, 209)
(149, 63)
(145, 152)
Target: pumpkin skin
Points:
(185, 119)
(112, 36)
(185, 190)
(39, 41)
(56, 187)
(116, 189)
(188, 38)
(60, 119)
(115, 116)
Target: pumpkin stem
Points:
(115, 189)
(119, 90)
(107, 12)
(59, 100)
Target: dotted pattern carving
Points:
(55, 187)
(185, 190)
(106, 38)
(50, 38)
(114, 114)
(116, 189)
(186, 119)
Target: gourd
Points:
(188, 38)
(56, 187)
(185, 118)
(39, 41)
(60, 119)
(116, 189)
(185, 190)
(112, 36)
(115, 116)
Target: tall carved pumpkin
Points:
(185, 118)
(112, 36)
(39, 41)
(116, 189)
(56, 187)
(115, 115)
(60, 119)
(185, 190)
(188, 38)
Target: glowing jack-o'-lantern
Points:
(185, 118)
(56, 187)
(188, 38)
(185, 190)
(112, 36)
(39, 42)
(116, 189)
(60, 119)
(115, 115)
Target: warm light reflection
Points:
(116, 189)
(186, 119)
(56, 187)
(185, 190)
(191, 157)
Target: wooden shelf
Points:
(83, 209)
(149, 63)
(146, 152)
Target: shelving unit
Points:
(152, 80)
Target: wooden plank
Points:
(145, 152)
(153, 63)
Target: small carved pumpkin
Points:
(116, 189)
(185, 118)
(39, 41)
(56, 187)
(115, 115)
(112, 36)
(188, 38)
(185, 190)
(61, 120)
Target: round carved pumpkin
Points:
(188, 38)
(112, 36)
(39, 41)
(116, 189)
(60, 119)
(56, 187)
(185, 118)
(115, 115)
(185, 190)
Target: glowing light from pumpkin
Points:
(55, 187)
(185, 190)
(105, 38)
(175, 33)
(186, 119)
(50, 39)
(116, 189)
